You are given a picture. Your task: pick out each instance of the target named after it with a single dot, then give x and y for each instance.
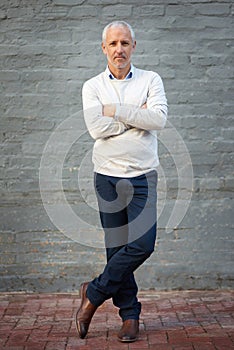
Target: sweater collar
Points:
(129, 75)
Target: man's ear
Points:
(103, 48)
(134, 45)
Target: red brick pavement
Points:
(181, 320)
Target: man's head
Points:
(118, 44)
(116, 24)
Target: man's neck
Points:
(120, 73)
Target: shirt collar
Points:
(129, 75)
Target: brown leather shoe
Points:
(129, 331)
(85, 312)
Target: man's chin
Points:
(121, 65)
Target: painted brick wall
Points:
(48, 49)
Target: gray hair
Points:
(118, 24)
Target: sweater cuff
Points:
(117, 110)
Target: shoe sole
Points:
(127, 341)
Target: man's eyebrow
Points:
(122, 41)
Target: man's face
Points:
(118, 47)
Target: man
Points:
(123, 108)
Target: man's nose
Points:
(119, 48)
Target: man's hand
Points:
(109, 110)
(144, 106)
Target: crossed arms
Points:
(113, 119)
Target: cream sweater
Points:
(125, 146)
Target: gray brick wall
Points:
(48, 48)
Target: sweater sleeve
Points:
(99, 126)
(154, 116)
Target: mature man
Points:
(123, 108)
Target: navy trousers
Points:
(127, 209)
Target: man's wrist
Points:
(109, 110)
